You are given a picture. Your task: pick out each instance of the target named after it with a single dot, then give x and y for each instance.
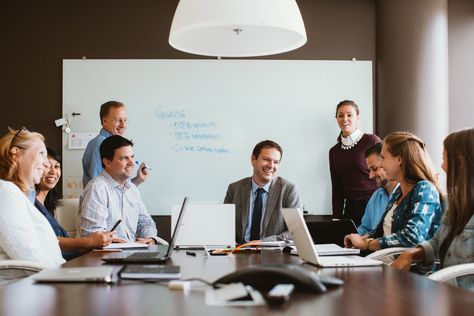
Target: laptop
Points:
(332, 231)
(80, 274)
(160, 256)
(306, 249)
(205, 225)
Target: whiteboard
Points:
(195, 122)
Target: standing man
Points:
(113, 118)
(259, 199)
(378, 201)
(111, 196)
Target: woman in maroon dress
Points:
(351, 186)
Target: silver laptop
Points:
(80, 274)
(306, 249)
(205, 225)
(161, 256)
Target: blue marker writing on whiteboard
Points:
(138, 163)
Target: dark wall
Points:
(37, 35)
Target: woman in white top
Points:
(25, 234)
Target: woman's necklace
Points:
(351, 140)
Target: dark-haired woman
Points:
(351, 186)
(453, 243)
(47, 199)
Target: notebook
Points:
(306, 249)
(160, 256)
(150, 272)
(331, 250)
(331, 232)
(205, 224)
(81, 274)
(128, 245)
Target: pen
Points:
(191, 253)
(139, 163)
(116, 224)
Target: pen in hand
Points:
(138, 163)
(116, 224)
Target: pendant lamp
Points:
(237, 28)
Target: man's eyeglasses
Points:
(12, 144)
(120, 121)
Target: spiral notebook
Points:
(331, 250)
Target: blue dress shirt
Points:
(374, 211)
(91, 162)
(253, 195)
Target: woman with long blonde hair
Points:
(414, 211)
(24, 233)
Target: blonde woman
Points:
(24, 233)
(414, 211)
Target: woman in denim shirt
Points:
(453, 243)
(414, 211)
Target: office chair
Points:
(387, 255)
(452, 272)
(66, 215)
(11, 270)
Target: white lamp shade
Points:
(237, 28)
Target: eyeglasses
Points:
(121, 121)
(15, 136)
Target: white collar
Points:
(351, 140)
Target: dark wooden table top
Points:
(367, 291)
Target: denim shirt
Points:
(91, 162)
(461, 250)
(414, 220)
(374, 210)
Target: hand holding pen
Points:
(117, 240)
(116, 224)
(142, 173)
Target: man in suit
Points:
(259, 199)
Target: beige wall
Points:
(412, 70)
(461, 63)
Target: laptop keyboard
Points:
(144, 255)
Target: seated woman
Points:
(453, 243)
(24, 233)
(414, 211)
(47, 199)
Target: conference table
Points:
(366, 291)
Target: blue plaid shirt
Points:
(414, 220)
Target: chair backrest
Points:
(387, 255)
(12, 270)
(449, 273)
(66, 215)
